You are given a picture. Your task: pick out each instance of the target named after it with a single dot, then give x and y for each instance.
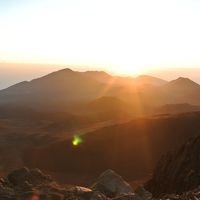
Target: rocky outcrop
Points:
(178, 171)
(112, 185)
(26, 184)
(144, 194)
(189, 195)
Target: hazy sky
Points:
(126, 35)
(122, 36)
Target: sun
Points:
(132, 69)
(128, 70)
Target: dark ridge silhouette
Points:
(178, 171)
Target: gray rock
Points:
(80, 190)
(144, 194)
(82, 193)
(98, 196)
(18, 176)
(37, 177)
(112, 185)
(4, 190)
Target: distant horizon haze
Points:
(12, 73)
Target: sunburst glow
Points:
(126, 36)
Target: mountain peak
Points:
(58, 74)
(183, 82)
(183, 79)
(65, 70)
(97, 73)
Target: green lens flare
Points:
(76, 140)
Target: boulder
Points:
(24, 176)
(143, 194)
(85, 194)
(37, 177)
(18, 176)
(32, 184)
(6, 193)
(97, 196)
(80, 190)
(112, 185)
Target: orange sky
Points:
(11, 73)
(124, 36)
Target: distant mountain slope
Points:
(182, 90)
(124, 81)
(179, 91)
(66, 89)
(108, 103)
(100, 76)
(181, 83)
(131, 148)
(60, 87)
(176, 108)
(108, 108)
(110, 80)
(149, 80)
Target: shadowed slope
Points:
(132, 148)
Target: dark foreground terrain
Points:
(176, 177)
(26, 184)
(45, 141)
(178, 171)
(131, 149)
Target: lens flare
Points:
(76, 140)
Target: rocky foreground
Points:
(178, 171)
(26, 184)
